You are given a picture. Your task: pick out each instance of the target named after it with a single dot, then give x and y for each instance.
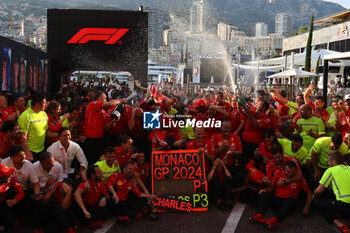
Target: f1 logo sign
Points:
(109, 35)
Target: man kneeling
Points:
(124, 182)
(284, 198)
(93, 201)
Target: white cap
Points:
(337, 80)
(347, 96)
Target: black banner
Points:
(98, 40)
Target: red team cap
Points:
(199, 103)
(6, 171)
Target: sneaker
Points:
(124, 220)
(96, 224)
(344, 229)
(153, 214)
(271, 222)
(70, 230)
(258, 218)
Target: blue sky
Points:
(344, 3)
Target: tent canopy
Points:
(293, 73)
(299, 58)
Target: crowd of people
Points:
(84, 155)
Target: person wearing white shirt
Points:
(46, 173)
(23, 175)
(64, 151)
(22, 166)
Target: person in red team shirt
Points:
(60, 203)
(220, 185)
(14, 110)
(211, 114)
(263, 154)
(123, 153)
(114, 128)
(203, 145)
(236, 119)
(347, 139)
(226, 144)
(256, 123)
(319, 106)
(8, 137)
(3, 106)
(284, 198)
(278, 162)
(165, 139)
(149, 102)
(199, 109)
(282, 109)
(221, 106)
(142, 168)
(53, 112)
(293, 113)
(248, 180)
(341, 122)
(94, 124)
(137, 132)
(127, 209)
(8, 186)
(93, 201)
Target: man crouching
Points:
(126, 207)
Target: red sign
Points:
(172, 204)
(109, 35)
(180, 175)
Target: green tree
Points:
(317, 68)
(31, 44)
(308, 51)
(294, 33)
(302, 30)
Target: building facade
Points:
(155, 27)
(224, 31)
(260, 29)
(163, 56)
(283, 24)
(197, 17)
(336, 38)
(270, 45)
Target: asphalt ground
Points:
(294, 223)
(211, 221)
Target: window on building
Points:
(321, 46)
(342, 46)
(333, 69)
(347, 45)
(287, 53)
(334, 46)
